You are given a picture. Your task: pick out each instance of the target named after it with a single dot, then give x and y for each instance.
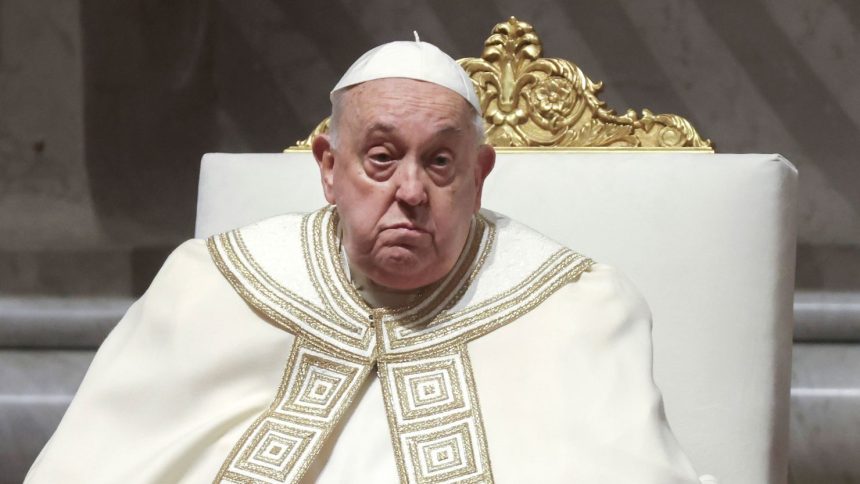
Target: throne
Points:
(708, 238)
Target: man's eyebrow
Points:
(384, 127)
(391, 128)
(450, 129)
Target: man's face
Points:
(406, 176)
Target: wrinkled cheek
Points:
(358, 239)
(455, 234)
(355, 229)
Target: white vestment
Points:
(252, 358)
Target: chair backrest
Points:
(708, 238)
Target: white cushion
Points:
(709, 239)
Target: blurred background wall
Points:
(106, 108)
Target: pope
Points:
(400, 334)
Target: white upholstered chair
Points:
(708, 238)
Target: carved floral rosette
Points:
(530, 101)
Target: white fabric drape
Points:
(565, 391)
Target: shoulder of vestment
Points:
(290, 269)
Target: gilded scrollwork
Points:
(535, 102)
(322, 127)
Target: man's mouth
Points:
(405, 226)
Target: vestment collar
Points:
(289, 268)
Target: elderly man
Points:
(399, 335)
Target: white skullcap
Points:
(412, 60)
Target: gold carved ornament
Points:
(534, 102)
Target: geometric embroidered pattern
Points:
(409, 338)
(321, 324)
(432, 407)
(420, 350)
(281, 443)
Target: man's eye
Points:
(441, 161)
(380, 157)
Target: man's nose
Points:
(410, 181)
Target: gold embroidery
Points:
(435, 419)
(403, 332)
(455, 285)
(280, 445)
(422, 309)
(474, 321)
(322, 265)
(356, 329)
(429, 392)
(286, 315)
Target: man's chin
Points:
(401, 268)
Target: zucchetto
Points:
(413, 60)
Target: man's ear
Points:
(324, 155)
(483, 166)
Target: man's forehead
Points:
(398, 108)
(398, 97)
